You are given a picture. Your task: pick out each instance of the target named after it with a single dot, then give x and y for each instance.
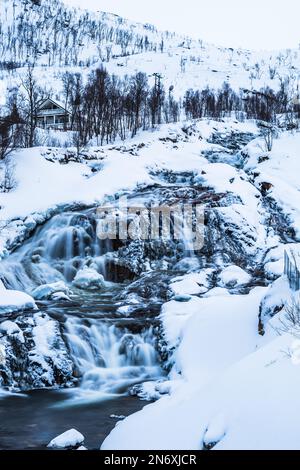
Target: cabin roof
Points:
(42, 106)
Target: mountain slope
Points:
(57, 38)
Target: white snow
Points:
(11, 328)
(281, 170)
(219, 332)
(48, 291)
(194, 283)
(15, 301)
(233, 276)
(89, 279)
(258, 396)
(44, 186)
(236, 390)
(216, 333)
(70, 438)
(217, 292)
(240, 391)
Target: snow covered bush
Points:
(7, 180)
(289, 321)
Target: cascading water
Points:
(107, 359)
(110, 359)
(60, 248)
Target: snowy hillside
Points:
(57, 38)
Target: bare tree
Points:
(68, 83)
(10, 132)
(290, 321)
(8, 181)
(79, 142)
(269, 133)
(7, 138)
(33, 98)
(269, 139)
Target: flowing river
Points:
(93, 347)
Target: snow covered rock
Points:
(238, 230)
(35, 353)
(183, 298)
(15, 301)
(215, 432)
(60, 296)
(192, 284)
(68, 439)
(12, 329)
(48, 291)
(125, 310)
(234, 276)
(217, 292)
(278, 295)
(274, 260)
(145, 391)
(89, 279)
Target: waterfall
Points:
(188, 240)
(110, 359)
(61, 247)
(107, 358)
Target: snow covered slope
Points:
(230, 388)
(57, 38)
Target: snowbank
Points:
(256, 399)
(212, 333)
(233, 389)
(48, 291)
(234, 276)
(12, 329)
(279, 169)
(192, 284)
(15, 301)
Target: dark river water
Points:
(31, 422)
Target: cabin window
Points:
(60, 119)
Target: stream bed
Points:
(110, 354)
(30, 422)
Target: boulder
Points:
(89, 279)
(69, 439)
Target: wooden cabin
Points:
(52, 115)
